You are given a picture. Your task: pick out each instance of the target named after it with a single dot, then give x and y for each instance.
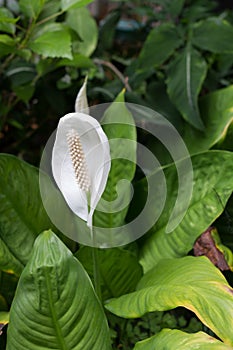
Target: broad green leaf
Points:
(185, 77)
(159, 45)
(213, 34)
(47, 44)
(192, 282)
(85, 26)
(212, 179)
(68, 4)
(55, 306)
(7, 21)
(217, 114)
(31, 8)
(120, 129)
(173, 339)
(120, 270)
(7, 45)
(22, 215)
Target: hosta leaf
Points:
(212, 179)
(55, 306)
(159, 45)
(22, 215)
(31, 8)
(173, 339)
(68, 4)
(213, 34)
(191, 282)
(81, 21)
(47, 44)
(120, 270)
(120, 129)
(185, 77)
(217, 114)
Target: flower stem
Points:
(96, 269)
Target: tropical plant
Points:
(154, 292)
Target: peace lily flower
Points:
(81, 159)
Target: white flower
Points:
(81, 159)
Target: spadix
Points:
(81, 159)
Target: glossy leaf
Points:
(185, 77)
(212, 179)
(31, 8)
(173, 339)
(81, 21)
(7, 21)
(217, 114)
(120, 270)
(68, 4)
(213, 34)
(47, 44)
(191, 282)
(22, 215)
(159, 45)
(119, 126)
(55, 306)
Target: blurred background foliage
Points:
(167, 54)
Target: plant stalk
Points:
(96, 269)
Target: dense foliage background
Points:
(175, 57)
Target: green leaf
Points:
(20, 73)
(212, 179)
(174, 339)
(8, 284)
(47, 44)
(213, 34)
(120, 129)
(120, 270)
(24, 92)
(217, 114)
(55, 306)
(4, 318)
(48, 65)
(85, 26)
(7, 21)
(185, 77)
(7, 45)
(31, 8)
(50, 8)
(192, 282)
(22, 215)
(68, 4)
(159, 45)
(108, 29)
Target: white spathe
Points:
(96, 151)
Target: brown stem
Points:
(116, 71)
